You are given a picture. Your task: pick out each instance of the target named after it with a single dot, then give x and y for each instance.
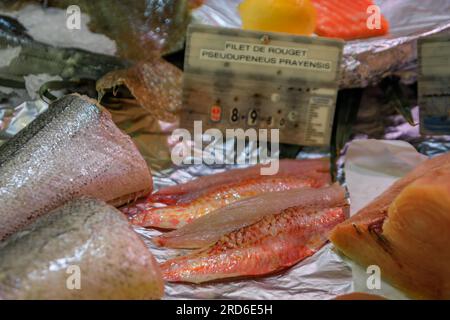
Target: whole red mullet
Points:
(272, 244)
(176, 216)
(318, 169)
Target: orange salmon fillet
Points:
(346, 19)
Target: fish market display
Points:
(208, 229)
(85, 237)
(176, 216)
(347, 20)
(317, 169)
(72, 149)
(272, 244)
(78, 216)
(405, 231)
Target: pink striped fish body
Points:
(318, 169)
(272, 244)
(176, 216)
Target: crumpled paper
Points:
(371, 166)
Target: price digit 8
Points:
(234, 115)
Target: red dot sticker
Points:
(216, 113)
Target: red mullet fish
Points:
(272, 244)
(182, 193)
(208, 229)
(176, 216)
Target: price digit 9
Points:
(252, 117)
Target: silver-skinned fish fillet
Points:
(83, 250)
(73, 149)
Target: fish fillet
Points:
(208, 229)
(347, 19)
(85, 237)
(176, 216)
(72, 149)
(317, 169)
(274, 243)
(406, 232)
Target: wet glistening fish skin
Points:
(85, 237)
(73, 149)
(176, 216)
(318, 169)
(208, 229)
(270, 245)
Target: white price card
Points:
(434, 85)
(248, 79)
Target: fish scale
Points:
(209, 229)
(113, 261)
(173, 217)
(183, 193)
(270, 245)
(71, 150)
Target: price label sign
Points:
(247, 79)
(434, 85)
